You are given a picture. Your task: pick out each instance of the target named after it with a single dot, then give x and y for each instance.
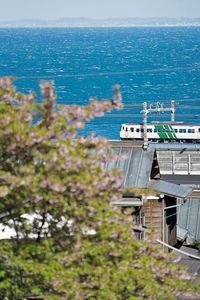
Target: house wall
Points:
(152, 215)
(153, 219)
(170, 221)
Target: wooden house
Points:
(154, 200)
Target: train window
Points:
(191, 131)
(182, 130)
(122, 127)
(142, 130)
(149, 129)
(132, 129)
(175, 130)
(155, 130)
(137, 130)
(126, 128)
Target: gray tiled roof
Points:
(170, 189)
(135, 164)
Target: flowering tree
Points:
(69, 242)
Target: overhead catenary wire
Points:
(131, 72)
(138, 103)
(196, 116)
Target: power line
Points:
(154, 101)
(139, 104)
(153, 116)
(133, 72)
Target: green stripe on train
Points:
(160, 131)
(175, 137)
(173, 133)
(169, 131)
(165, 132)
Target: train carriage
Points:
(161, 132)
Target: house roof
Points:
(179, 162)
(188, 220)
(135, 164)
(190, 180)
(130, 201)
(170, 189)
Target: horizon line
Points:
(97, 19)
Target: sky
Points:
(99, 9)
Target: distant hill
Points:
(110, 22)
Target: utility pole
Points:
(172, 110)
(117, 96)
(158, 108)
(145, 112)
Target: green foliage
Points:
(70, 243)
(98, 269)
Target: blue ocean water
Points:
(150, 64)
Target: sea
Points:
(152, 64)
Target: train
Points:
(162, 132)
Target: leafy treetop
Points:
(55, 193)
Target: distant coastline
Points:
(109, 22)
